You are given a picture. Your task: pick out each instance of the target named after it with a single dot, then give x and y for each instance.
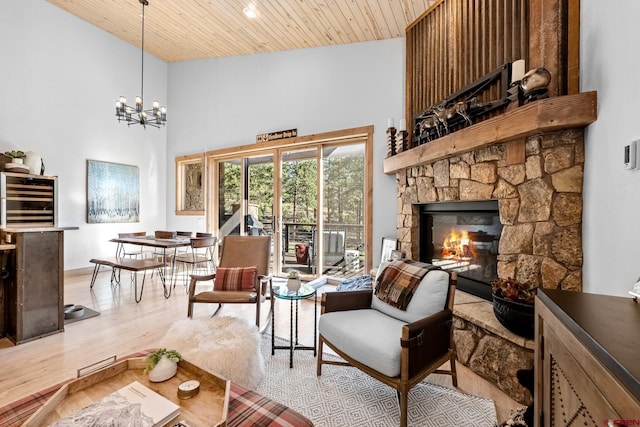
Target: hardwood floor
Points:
(124, 327)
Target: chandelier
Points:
(157, 115)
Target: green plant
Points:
(154, 358)
(293, 274)
(513, 290)
(16, 154)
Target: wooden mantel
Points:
(545, 115)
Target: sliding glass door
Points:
(311, 198)
(343, 210)
(299, 209)
(229, 197)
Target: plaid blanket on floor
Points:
(399, 280)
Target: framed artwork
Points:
(113, 192)
(388, 245)
(190, 185)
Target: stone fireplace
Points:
(530, 161)
(539, 203)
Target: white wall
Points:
(610, 64)
(228, 101)
(59, 79)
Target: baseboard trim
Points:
(78, 272)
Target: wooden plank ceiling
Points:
(182, 30)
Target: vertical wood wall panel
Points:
(459, 41)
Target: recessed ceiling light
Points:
(250, 12)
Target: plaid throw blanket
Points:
(399, 280)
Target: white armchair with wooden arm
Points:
(398, 347)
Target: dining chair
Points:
(131, 251)
(124, 250)
(198, 257)
(161, 234)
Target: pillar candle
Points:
(517, 70)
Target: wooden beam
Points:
(546, 115)
(546, 32)
(573, 48)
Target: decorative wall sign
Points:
(113, 192)
(273, 136)
(190, 185)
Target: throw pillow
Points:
(235, 279)
(355, 283)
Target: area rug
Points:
(88, 313)
(344, 396)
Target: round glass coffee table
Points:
(282, 292)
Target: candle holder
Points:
(401, 141)
(391, 141)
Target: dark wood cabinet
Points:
(586, 363)
(34, 289)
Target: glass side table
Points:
(305, 292)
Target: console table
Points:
(586, 359)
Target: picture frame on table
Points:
(389, 244)
(396, 255)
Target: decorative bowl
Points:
(74, 312)
(515, 316)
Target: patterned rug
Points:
(344, 396)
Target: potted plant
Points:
(513, 305)
(162, 364)
(17, 155)
(293, 281)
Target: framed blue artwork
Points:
(113, 192)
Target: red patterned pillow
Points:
(235, 279)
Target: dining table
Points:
(166, 245)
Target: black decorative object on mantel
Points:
(513, 305)
(515, 316)
(463, 107)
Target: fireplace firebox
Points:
(463, 237)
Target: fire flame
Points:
(458, 245)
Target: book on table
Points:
(132, 405)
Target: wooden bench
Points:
(130, 264)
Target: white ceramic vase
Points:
(18, 160)
(293, 285)
(164, 369)
(34, 161)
